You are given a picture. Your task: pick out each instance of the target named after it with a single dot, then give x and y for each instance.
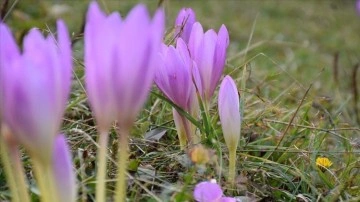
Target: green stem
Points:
(232, 163)
(180, 129)
(101, 170)
(10, 174)
(182, 140)
(13, 166)
(19, 176)
(120, 192)
(188, 132)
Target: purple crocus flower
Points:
(358, 6)
(120, 59)
(183, 23)
(174, 76)
(208, 50)
(63, 171)
(175, 79)
(210, 192)
(36, 84)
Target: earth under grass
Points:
(295, 63)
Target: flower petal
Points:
(63, 170)
(207, 192)
(183, 23)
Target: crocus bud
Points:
(64, 176)
(208, 50)
(183, 23)
(229, 113)
(120, 59)
(36, 85)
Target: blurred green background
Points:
(285, 43)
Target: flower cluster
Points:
(123, 58)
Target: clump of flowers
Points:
(210, 191)
(323, 163)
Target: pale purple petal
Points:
(174, 75)
(205, 62)
(208, 50)
(183, 23)
(65, 69)
(358, 6)
(9, 52)
(63, 171)
(207, 192)
(197, 78)
(196, 38)
(219, 57)
(229, 112)
(174, 78)
(99, 61)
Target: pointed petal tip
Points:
(94, 11)
(140, 11)
(224, 34)
(159, 20)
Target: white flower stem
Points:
(120, 192)
(232, 163)
(101, 170)
(45, 179)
